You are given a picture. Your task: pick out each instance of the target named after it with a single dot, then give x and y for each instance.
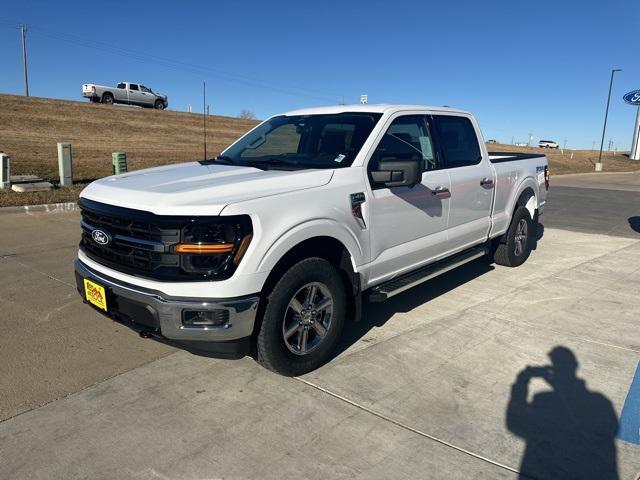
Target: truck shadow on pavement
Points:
(377, 314)
(634, 223)
(569, 430)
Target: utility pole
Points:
(606, 114)
(204, 117)
(23, 30)
(564, 144)
(610, 145)
(530, 139)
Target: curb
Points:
(47, 208)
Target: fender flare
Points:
(526, 196)
(319, 227)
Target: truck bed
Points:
(499, 157)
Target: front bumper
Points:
(159, 316)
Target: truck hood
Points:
(196, 189)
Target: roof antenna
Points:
(204, 117)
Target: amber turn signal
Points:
(244, 244)
(203, 248)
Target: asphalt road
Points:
(432, 384)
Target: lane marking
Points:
(629, 426)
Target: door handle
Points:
(486, 182)
(441, 192)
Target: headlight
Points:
(214, 247)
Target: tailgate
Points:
(88, 88)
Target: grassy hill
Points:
(31, 127)
(583, 161)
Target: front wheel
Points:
(302, 319)
(159, 105)
(514, 247)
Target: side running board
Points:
(398, 285)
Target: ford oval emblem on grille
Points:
(101, 237)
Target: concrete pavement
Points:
(422, 388)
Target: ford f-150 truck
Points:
(270, 247)
(125, 93)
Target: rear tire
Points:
(303, 318)
(514, 247)
(107, 99)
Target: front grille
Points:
(140, 241)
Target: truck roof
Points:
(371, 108)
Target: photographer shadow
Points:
(569, 430)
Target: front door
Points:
(408, 224)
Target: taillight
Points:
(93, 89)
(546, 177)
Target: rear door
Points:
(408, 224)
(120, 93)
(472, 181)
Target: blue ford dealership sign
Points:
(632, 98)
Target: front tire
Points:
(303, 318)
(159, 105)
(514, 247)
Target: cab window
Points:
(122, 85)
(145, 89)
(407, 138)
(458, 141)
(133, 86)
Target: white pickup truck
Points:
(125, 93)
(270, 247)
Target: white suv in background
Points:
(548, 144)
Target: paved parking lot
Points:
(432, 384)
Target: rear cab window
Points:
(458, 141)
(133, 86)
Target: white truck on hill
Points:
(270, 247)
(125, 93)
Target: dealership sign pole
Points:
(633, 98)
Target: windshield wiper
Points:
(265, 164)
(222, 159)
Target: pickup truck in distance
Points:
(125, 93)
(270, 247)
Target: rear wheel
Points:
(514, 247)
(107, 99)
(303, 318)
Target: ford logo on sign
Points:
(632, 98)
(101, 237)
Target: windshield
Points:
(304, 141)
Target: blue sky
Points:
(540, 67)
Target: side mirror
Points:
(392, 172)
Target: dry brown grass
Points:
(583, 161)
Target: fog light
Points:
(205, 318)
